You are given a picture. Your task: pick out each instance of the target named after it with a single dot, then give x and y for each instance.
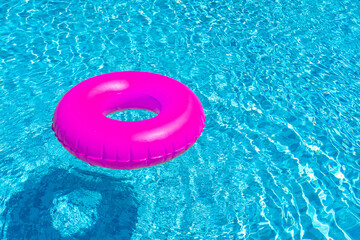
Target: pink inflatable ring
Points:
(81, 125)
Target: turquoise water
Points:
(278, 158)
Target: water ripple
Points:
(279, 82)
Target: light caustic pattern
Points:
(278, 158)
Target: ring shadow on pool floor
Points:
(72, 205)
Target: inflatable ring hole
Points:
(132, 115)
(131, 107)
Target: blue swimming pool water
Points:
(278, 158)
